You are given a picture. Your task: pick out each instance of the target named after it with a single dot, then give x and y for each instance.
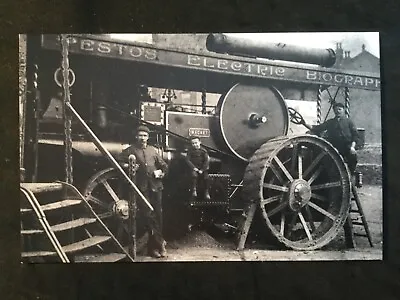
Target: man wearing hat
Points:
(341, 133)
(151, 171)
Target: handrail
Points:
(45, 225)
(88, 206)
(107, 154)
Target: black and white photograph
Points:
(200, 147)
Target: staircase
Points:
(59, 225)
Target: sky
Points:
(351, 41)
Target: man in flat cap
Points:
(341, 133)
(151, 171)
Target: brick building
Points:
(365, 106)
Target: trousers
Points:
(154, 219)
(196, 176)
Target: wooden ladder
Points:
(356, 217)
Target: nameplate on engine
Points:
(200, 132)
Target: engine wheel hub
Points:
(121, 209)
(299, 194)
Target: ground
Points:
(200, 246)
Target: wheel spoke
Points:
(93, 199)
(310, 218)
(275, 171)
(313, 164)
(300, 159)
(271, 199)
(277, 209)
(110, 190)
(291, 225)
(321, 210)
(120, 231)
(315, 175)
(276, 187)
(282, 231)
(303, 222)
(283, 168)
(326, 185)
(105, 215)
(319, 197)
(294, 157)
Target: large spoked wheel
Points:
(107, 193)
(302, 186)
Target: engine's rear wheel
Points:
(302, 186)
(107, 193)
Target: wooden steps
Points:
(104, 258)
(87, 243)
(31, 254)
(31, 231)
(66, 230)
(40, 187)
(60, 204)
(72, 224)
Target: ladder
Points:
(356, 217)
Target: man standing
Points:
(151, 171)
(198, 160)
(341, 133)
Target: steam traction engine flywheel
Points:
(250, 115)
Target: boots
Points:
(152, 246)
(155, 254)
(206, 189)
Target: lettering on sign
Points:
(235, 66)
(349, 80)
(200, 132)
(218, 64)
(114, 49)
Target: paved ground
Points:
(199, 246)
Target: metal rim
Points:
(302, 186)
(221, 109)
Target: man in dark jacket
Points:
(198, 160)
(341, 133)
(151, 171)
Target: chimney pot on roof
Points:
(363, 47)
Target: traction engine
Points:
(300, 184)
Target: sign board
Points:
(101, 46)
